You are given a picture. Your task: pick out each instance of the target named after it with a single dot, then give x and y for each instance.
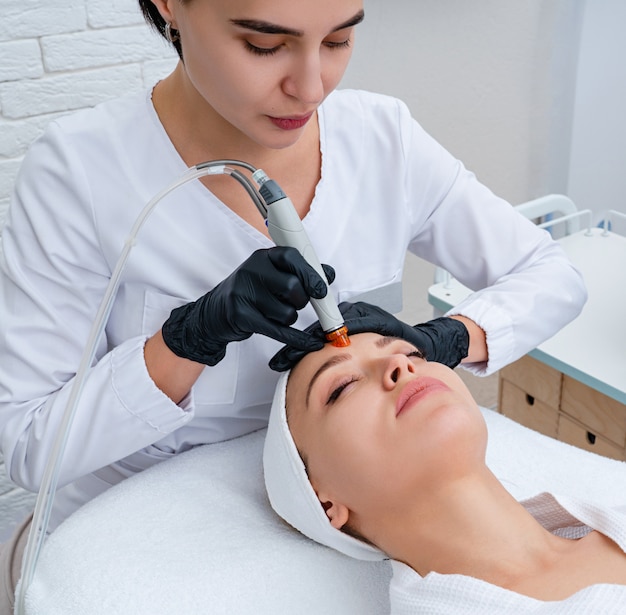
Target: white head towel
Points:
(290, 491)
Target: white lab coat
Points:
(386, 187)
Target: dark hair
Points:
(153, 17)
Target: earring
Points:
(170, 34)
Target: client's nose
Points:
(397, 365)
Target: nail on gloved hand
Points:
(263, 295)
(443, 340)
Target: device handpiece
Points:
(286, 229)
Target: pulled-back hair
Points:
(154, 19)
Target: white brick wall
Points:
(55, 57)
(61, 55)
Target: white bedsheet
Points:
(196, 535)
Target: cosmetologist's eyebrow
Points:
(265, 27)
(353, 21)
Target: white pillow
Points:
(196, 535)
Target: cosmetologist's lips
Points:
(292, 122)
(416, 390)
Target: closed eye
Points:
(261, 51)
(340, 388)
(270, 51)
(337, 44)
(337, 391)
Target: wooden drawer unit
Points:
(579, 435)
(527, 410)
(601, 414)
(556, 405)
(535, 379)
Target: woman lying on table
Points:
(394, 449)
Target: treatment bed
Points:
(196, 535)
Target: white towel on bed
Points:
(196, 535)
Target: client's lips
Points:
(416, 390)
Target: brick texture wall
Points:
(58, 56)
(61, 55)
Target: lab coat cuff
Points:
(139, 395)
(498, 327)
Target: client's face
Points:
(377, 424)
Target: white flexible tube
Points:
(45, 497)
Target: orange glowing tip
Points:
(339, 337)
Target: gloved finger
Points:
(287, 288)
(290, 260)
(354, 312)
(364, 317)
(293, 338)
(258, 281)
(360, 317)
(281, 307)
(330, 272)
(289, 355)
(448, 340)
(443, 340)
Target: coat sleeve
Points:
(526, 289)
(52, 280)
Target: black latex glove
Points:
(444, 340)
(263, 295)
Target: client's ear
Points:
(337, 513)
